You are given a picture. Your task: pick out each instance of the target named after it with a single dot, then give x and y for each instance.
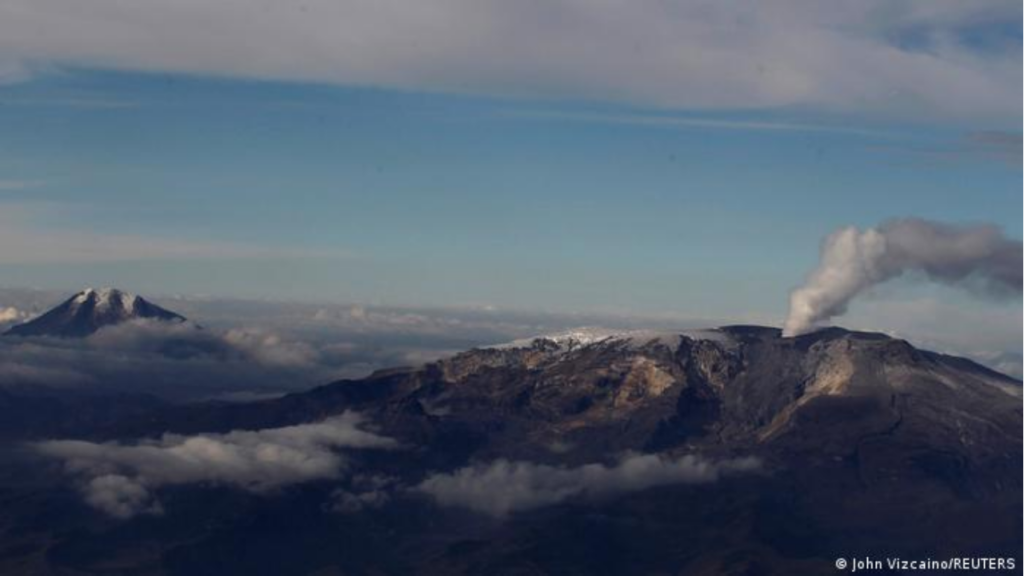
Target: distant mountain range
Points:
(89, 310)
(867, 446)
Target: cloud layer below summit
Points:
(502, 487)
(119, 478)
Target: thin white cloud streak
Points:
(18, 185)
(682, 122)
(502, 487)
(1004, 146)
(82, 103)
(119, 479)
(1001, 146)
(911, 58)
(24, 240)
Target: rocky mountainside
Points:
(740, 386)
(89, 310)
(866, 446)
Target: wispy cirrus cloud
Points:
(919, 58)
(25, 239)
(8, 185)
(76, 101)
(669, 121)
(1001, 146)
(1004, 146)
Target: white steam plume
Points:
(853, 261)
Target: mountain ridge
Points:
(865, 446)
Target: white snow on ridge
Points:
(585, 336)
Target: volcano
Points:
(89, 310)
(865, 446)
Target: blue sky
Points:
(439, 183)
(412, 198)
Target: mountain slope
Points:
(89, 310)
(737, 389)
(869, 447)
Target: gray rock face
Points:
(737, 388)
(875, 404)
(89, 310)
(870, 447)
(732, 390)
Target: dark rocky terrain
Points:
(867, 447)
(89, 310)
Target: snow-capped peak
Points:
(104, 299)
(91, 309)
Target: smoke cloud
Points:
(979, 257)
(119, 479)
(502, 487)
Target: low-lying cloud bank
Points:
(366, 492)
(11, 315)
(119, 479)
(174, 360)
(251, 349)
(502, 487)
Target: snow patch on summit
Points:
(587, 336)
(106, 298)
